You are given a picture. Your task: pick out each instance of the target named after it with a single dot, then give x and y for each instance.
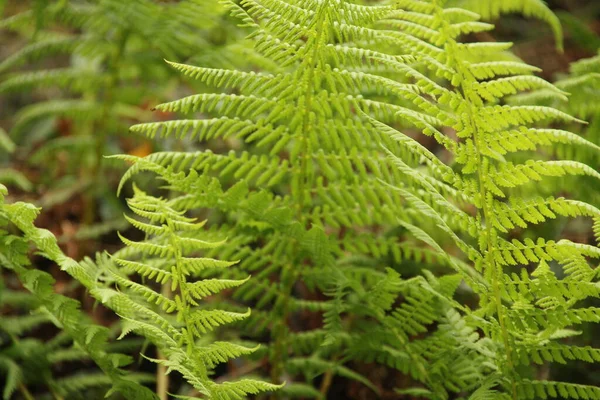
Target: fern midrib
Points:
(162, 378)
(310, 66)
(490, 235)
(305, 182)
(185, 306)
(471, 98)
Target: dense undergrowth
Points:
(321, 199)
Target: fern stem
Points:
(326, 383)
(491, 233)
(309, 66)
(312, 64)
(472, 101)
(25, 392)
(162, 379)
(495, 276)
(184, 307)
(281, 332)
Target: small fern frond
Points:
(529, 389)
(77, 80)
(63, 311)
(39, 50)
(238, 390)
(13, 374)
(220, 352)
(492, 9)
(167, 257)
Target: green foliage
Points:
(492, 9)
(381, 185)
(308, 163)
(166, 257)
(581, 83)
(490, 180)
(29, 360)
(172, 338)
(300, 125)
(90, 69)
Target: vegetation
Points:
(324, 199)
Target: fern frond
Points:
(69, 78)
(492, 9)
(40, 49)
(238, 390)
(498, 88)
(220, 352)
(509, 175)
(76, 109)
(323, 137)
(207, 287)
(522, 213)
(63, 311)
(488, 132)
(14, 376)
(172, 246)
(549, 389)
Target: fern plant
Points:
(525, 308)
(309, 165)
(176, 337)
(362, 242)
(314, 196)
(304, 123)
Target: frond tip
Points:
(492, 9)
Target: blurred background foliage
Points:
(75, 74)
